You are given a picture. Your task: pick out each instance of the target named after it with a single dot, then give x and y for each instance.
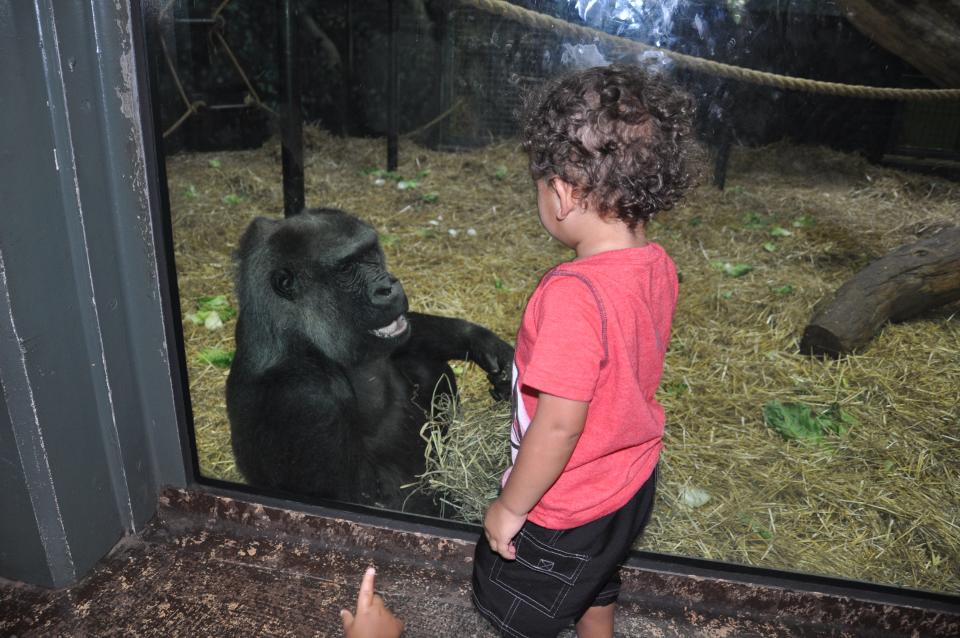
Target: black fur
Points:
(318, 403)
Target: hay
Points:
(467, 451)
(879, 503)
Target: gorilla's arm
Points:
(446, 338)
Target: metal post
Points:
(392, 106)
(291, 125)
(723, 156)
(347, 126)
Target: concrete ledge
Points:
(216, 565)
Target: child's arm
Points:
(546, 447)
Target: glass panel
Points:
(840, 465)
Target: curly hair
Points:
(620, 136)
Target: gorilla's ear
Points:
(284, 283)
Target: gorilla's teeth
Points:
(396, 327)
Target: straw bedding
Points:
(880, 501)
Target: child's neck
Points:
(601, 235)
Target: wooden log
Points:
(922, 32)
(901, 284)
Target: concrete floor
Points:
(214, 566)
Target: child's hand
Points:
(500, 526)
(373, 619)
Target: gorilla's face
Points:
(327, 269)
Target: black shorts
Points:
(558, 574)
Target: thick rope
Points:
(545, 22)
(192, 107)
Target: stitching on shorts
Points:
(510, 614)
(559, 551)
(547, 610)
(559, 603)
(569, 581)
(495, 620)
(563, 597)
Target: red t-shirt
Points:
(596, 330)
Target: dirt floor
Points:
(876, 498)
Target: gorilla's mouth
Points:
(394, 329)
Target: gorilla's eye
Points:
(284, 283)
(344, 267)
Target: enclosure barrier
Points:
(542, 21)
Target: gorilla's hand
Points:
(495, 356)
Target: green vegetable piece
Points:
(232, 199)
(379, 172)
(217, 304)
(754, 221)
(732, 270)
(727, 295)
(501, 172)
(759, 529)
(217, 357)
(201, 317)
(780, 231)
(799, 422)
(213, 303)
(388, 239)
(191, 192)
(430, 198)
(770, 247)
(804, 221)
(695, 221)
(676, 389)
(498, 284)
(214, 163)
(786, 289)
(737, 270)
(405, 184)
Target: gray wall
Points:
(89, 409)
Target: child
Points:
(609, 148)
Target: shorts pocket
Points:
(541, 575)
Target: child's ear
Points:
(566, 192)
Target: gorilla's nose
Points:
(387, 291)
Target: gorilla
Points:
(333, 377)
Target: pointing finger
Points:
(365, 597)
